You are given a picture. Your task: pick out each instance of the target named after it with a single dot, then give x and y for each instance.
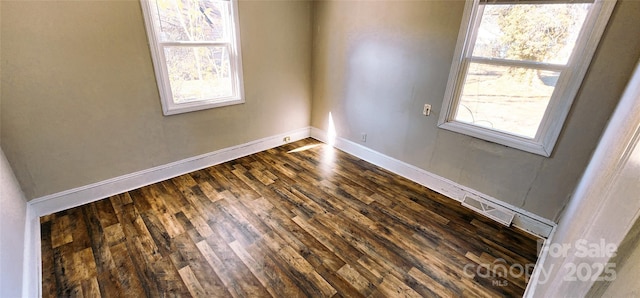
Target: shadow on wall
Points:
(379, 80)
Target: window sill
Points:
(173, 108)
(528, 145)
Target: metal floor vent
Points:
(488, 209)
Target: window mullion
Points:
(193, 43)
(518, 63)
(539, 2)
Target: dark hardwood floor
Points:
(299, 220)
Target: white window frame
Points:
(565, 91)
(169, 107)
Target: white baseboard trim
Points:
(86, 194)
(523, 219)
(32, 283)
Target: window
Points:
(195, 46)
(517, 67)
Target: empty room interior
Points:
(241, 148)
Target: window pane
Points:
(192, 20)
(541, 33)
(508, 99)
(198, 73)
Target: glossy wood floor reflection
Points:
(299, 220)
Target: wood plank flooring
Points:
(300, 220)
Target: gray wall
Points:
(80, 102)
(13, 212)
(375, 64)
(603, 209)
(13, 216)
(627, 270)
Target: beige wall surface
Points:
(80, 102)
(375, 64)
(13, 218)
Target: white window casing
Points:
(566, 88)
(160, 44)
